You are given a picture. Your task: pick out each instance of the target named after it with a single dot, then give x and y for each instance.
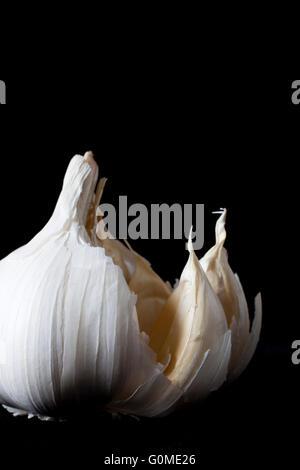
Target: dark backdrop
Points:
(229, 142)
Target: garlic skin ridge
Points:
(87, 324)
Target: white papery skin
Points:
(229, 290)
(86, 324)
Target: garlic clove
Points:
(230, 292)
(191, 324)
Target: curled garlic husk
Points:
(228, 288)
(86, 324)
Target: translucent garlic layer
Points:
(87, 325)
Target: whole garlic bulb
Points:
(86, 324)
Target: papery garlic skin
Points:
(195, 322)
(229, 290)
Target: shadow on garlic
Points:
(87, 325)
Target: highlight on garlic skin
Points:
(86, 324)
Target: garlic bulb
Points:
(86, 324)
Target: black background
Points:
(161, 135)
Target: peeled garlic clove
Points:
(191, 328)
(67, 317)
(230, 292)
